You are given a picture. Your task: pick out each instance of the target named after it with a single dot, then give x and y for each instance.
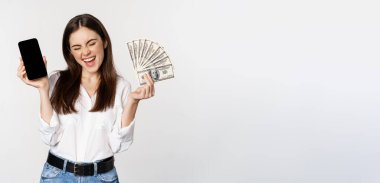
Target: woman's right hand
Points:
(40, 83)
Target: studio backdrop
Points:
(264, 91)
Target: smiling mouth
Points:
(89, 61)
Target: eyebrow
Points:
(86, 43)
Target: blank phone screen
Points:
(32, 57)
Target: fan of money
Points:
(149, 57)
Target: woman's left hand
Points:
(143, 92)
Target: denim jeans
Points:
(55, 175)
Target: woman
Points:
(87, 111)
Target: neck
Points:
(90, 77)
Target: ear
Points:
(105, 44)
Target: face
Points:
(87, 48)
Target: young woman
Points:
(87, 111)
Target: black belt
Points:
(82, 169)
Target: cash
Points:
(149, 57)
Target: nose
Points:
(86, 51)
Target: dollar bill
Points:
(131, 52)
(146, 46)
(157, 74)
(135, 52)
(141, 46)
(149, 57)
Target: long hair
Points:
(66, 90)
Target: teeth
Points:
(89, 59)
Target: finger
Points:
(149, 79)
(146, 92)
(22, 66)
(153, 90)
(143, 91)
(151, 85)
(146, 78)
(21, 61)
(23, 73)
(147, 86)
(150, 90)
(45, 61)
(20, 71)
(19, 66)
(23, 77)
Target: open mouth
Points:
(89, 61)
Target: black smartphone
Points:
(32, 57)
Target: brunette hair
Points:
(66, 90)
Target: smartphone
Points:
(32, 57)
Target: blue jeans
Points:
(55, 175)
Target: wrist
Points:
(133, 101)
(43, 90)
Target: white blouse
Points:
(88, 136)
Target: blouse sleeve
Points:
(122, 138)
(50, 132)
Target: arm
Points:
(49, 122)
(121, 136)
(48, 118)
(143, 92)
(46, 109)
(129, 112)
(42, 84)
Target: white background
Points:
(264, 91)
